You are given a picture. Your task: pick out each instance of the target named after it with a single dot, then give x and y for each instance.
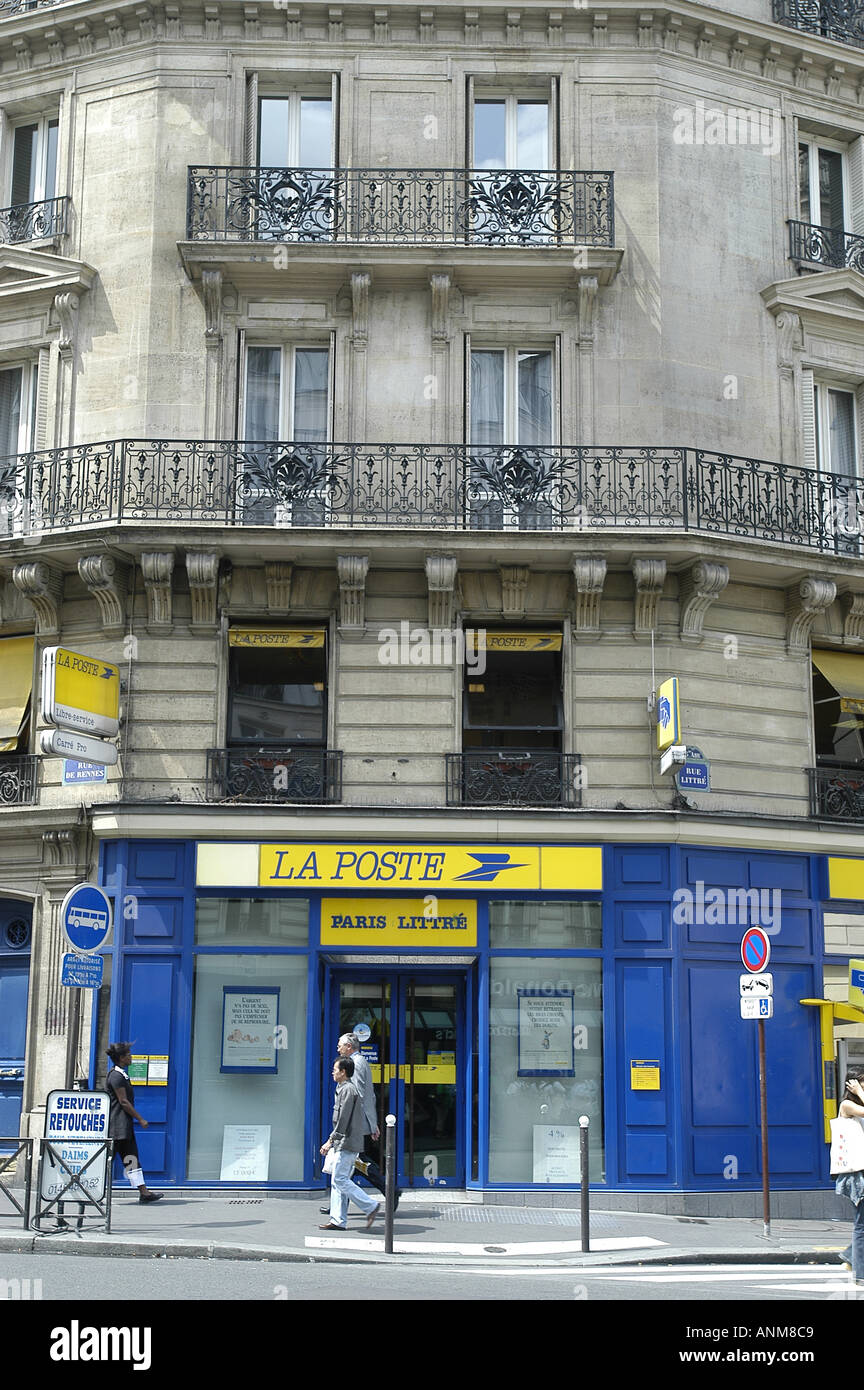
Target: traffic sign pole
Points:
(763, 1112)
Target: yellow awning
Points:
(264, 637)
(845, 671)
(16, 682)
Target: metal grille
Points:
(33, 221)
(842, 20)
(826, 246)
(274, 774)
(837, 793)
(513, 777)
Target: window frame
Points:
(28, 414)
(259, 742)
(43, 124)
(287, 385)
(512, 353)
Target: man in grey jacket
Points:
(346, 1138)
(349, 1046)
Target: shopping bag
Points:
(847, 1147)
(330, 1160)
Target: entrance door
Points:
(411, 1027)
(14, 983)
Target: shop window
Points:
(546, 925)
(512, 413)
(838, 708)
(545, 1068)
(286, 397)
(252, 922)
(516, 702)
(277, 693)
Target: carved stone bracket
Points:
(699, 588)
(440, 286)
(352, 571)
(60, 848)
(649, 574)
(211, 293)
(361, 283)
(66, 308)
(107, 582)
(441, 572)
(43, 585)
(589, 574)
(157, 567)
(202, 571)
(278, 577)
(514, 584)
(804, 603)
(587, 307)
(790, 338)
(853, 622)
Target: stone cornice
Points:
(68, 34)
(43, 278)
(810, 298)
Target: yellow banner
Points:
(509, 641)
(426, 867)
(86, 683)
(276, 637)
(399, 921)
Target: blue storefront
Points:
(500, 991)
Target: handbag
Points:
(330, 1160)
(847, 1147)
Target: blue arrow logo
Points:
(489, 866)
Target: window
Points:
(835, 429)
(34, 161)
(511, 132)
(838, 707)
(277, 687)
(511, 402)
(295, 132)
(18, 399)
(291, 139)
(286, 397)
(832, 421)
(830, 203)
(820, 186)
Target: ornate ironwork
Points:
(274, 775)
(18, 779)
(826, 246)
(513, 777)
(34, 221)
(501, 207)
(837, 793)
(430, 487)
(842, 20)
(10, 7)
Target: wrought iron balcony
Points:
(842, 20)
(457, 487)
(18, 779)
(837, 793)
(34, 221)
(409, 207)
(10, 7)
(274, 774)
(826, 246)
(513, 777)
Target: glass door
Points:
(411, 1027)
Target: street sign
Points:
(76, 1123)
(80, 692)
(63, 743)
(85, 917)
(755, 950)
(695, 775)
(82, 972)
(756, 986)
(74, 773)
(757, 1008)
(668, 714)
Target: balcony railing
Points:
(828, 246)
(274, 774)
(837, 793)
(34, 221)
(408, 207)
(18, 779)
(842, 20)
(441, 487)
(513, 777)
(9, 7)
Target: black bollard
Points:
(389, 1182)
(584, 1219)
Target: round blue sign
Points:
(86, 918)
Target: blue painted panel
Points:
(158, 919)
(152, 1145)
(722, 870)
(148, 1019)
(796, 930)
(643, 1036)
(642, 865)
(722, 1084)
(14, 979)
(647, 922)
(788, 872)
(647, 1155)
(725, 1157)
(156, 863)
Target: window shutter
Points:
(331, 386)
(40, 414)
(240, 423)
(855, 185)
(469, 122)
(466, 423)
(334, 120)
(554, 118)
(808, 421)
(859, 431)
(251, 131)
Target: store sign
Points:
(79, 692)
(276, 637)
(856, 982)
(398, 921)
(511, 641)
(668, 714)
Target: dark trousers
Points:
(366, 1164)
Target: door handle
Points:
(12, 1072)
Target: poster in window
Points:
(546, 1032)
(250, 1018)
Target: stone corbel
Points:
(202, 571)
(790, 338)
(42, 585)
(60, 848)
(514, 28)
(645, 31)
(853, 621)
(157, 567)
(278, 578)
(699, 588)
(211, 293)
(107, 582)
(649, 575)
(587, 307)
(361, 283)
(804, 603)
(514, 585)
(427, 26)
(440, 286)
(352, 571)
(66, 308)
(441, 571)
(589, 574)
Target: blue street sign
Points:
(75, 772)
(82, 972)
(85, 918)
(695, 774)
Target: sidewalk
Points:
(428, 1229)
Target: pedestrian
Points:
(120, 1116)
(349, 1046)
(851, 1185)
(346, 1138)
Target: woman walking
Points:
(851, 1185)
(120, 1117)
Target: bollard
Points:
(584, 1217)
(389, 1182)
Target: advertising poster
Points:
(250, 1018)
(245, 1153)
(546, 1023)
(556, 1153)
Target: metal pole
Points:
(584, 1210)
(389, 1182)
(72, 1037)
(763, 1111)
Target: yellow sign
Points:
(856, 983)
(510, 641)
(644, 1076)
(80, 692)
(398, 921)
(846, 878)
(425, 867)
(668, 715)
(276, 637)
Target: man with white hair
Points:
(349, 1046)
